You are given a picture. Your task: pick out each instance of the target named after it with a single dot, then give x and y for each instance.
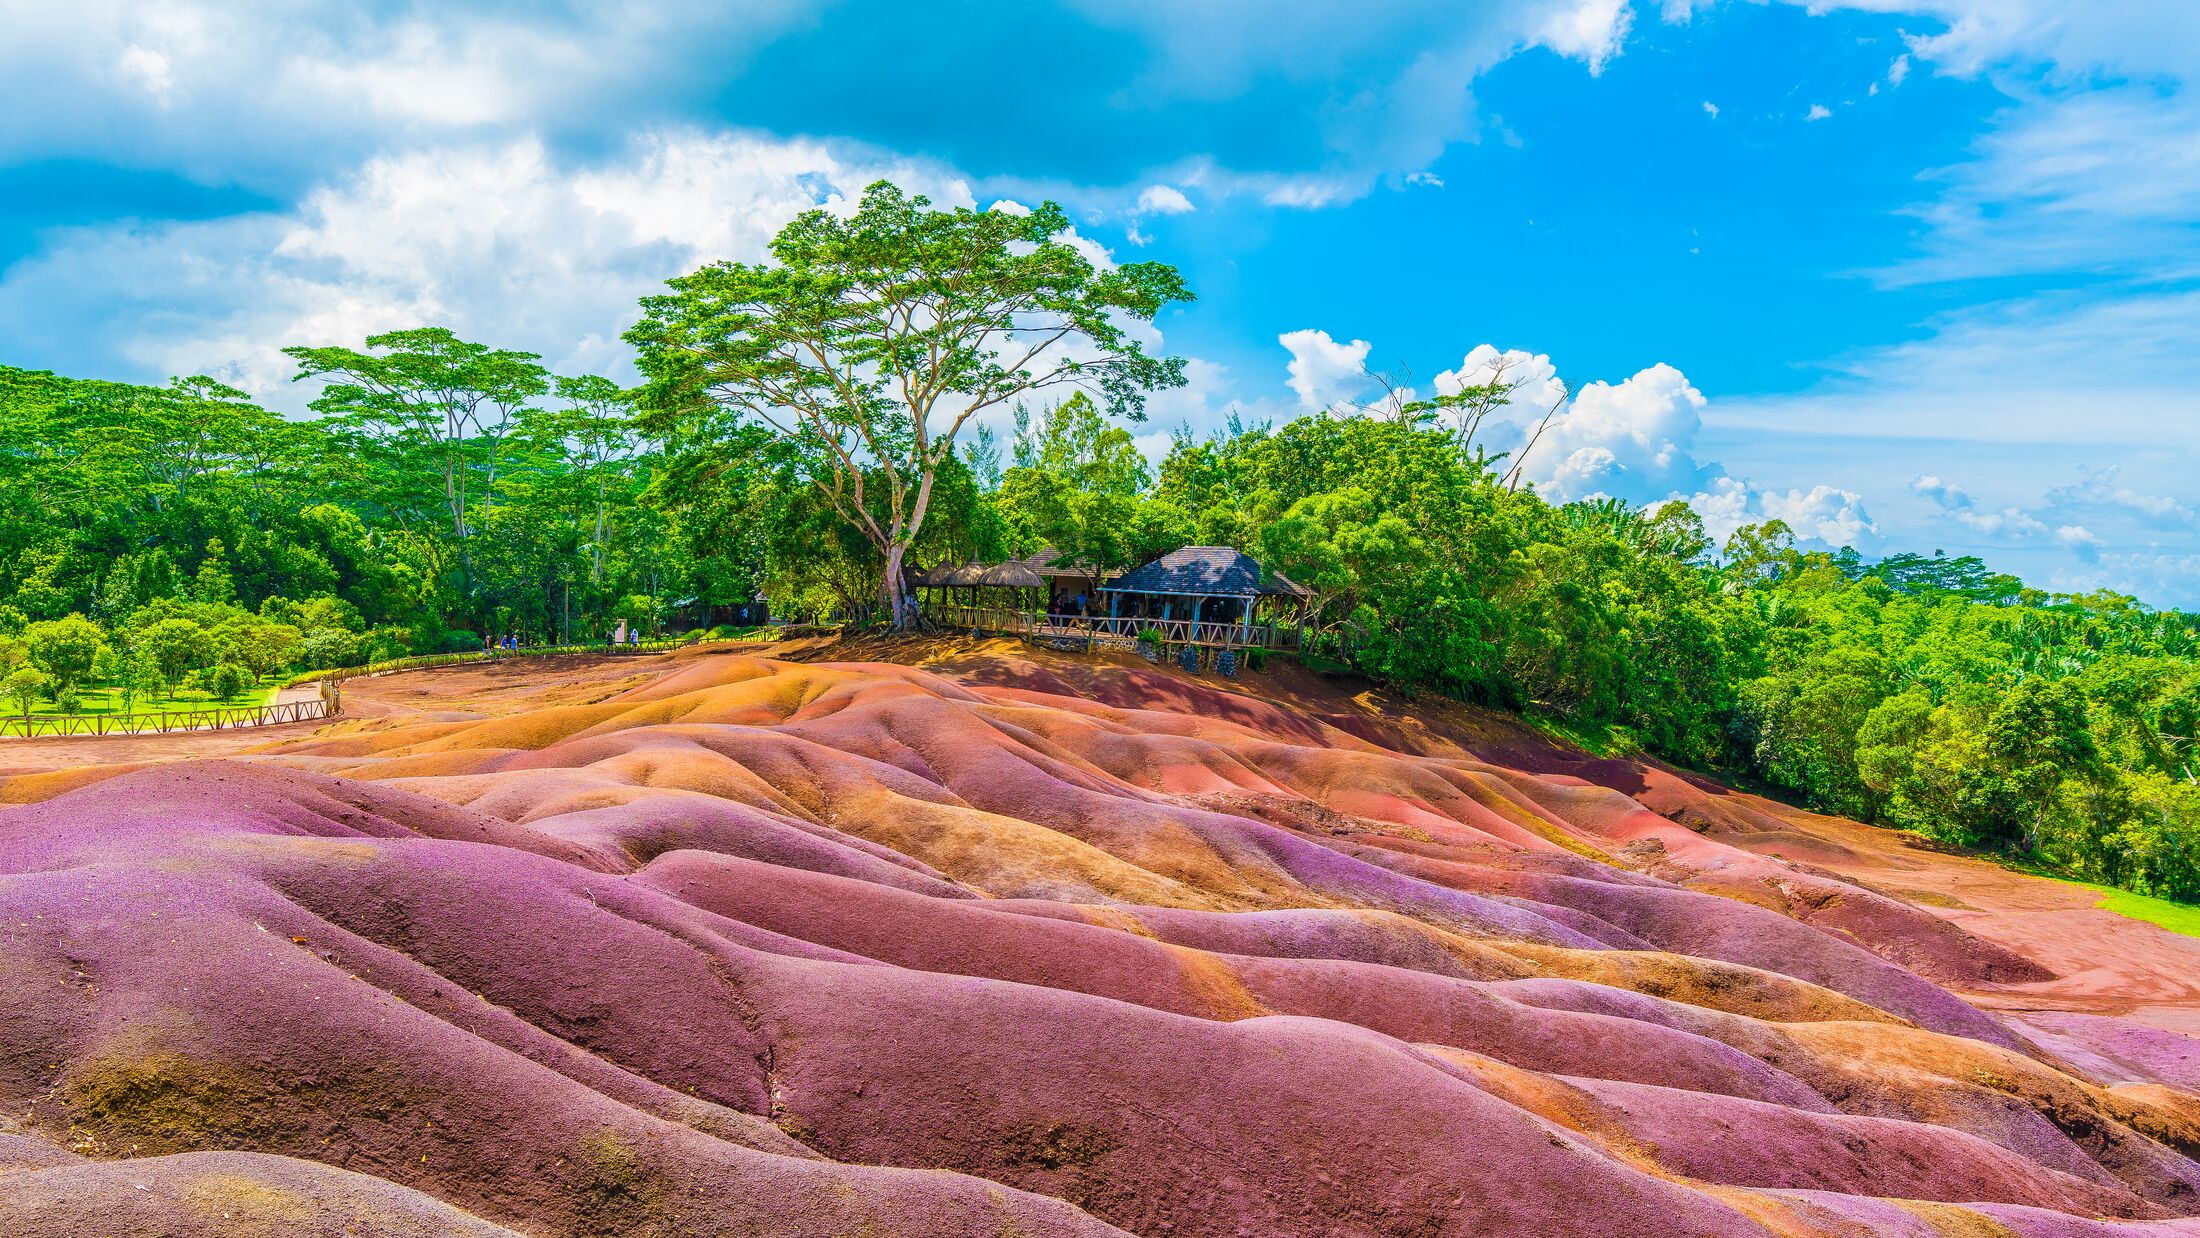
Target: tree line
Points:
(811, 427)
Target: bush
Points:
(229, 681)
(1150, 636)
(67, 701)
(459, 640)
(330, 647)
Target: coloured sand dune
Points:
(722, 944)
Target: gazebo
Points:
(1206, 595)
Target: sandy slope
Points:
(984, 941)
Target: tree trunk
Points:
(595, 570)
(894, 591)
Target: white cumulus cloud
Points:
(2080, 541)
(1163, 200)
(1323, 371)
(1827, 514)
(1956, 503)
(501, 242)
(1634, 440)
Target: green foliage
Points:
(66, 649)
(177, 646)
(870, 341)
(229, 681)
(797, 442)
(24, 688)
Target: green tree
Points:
(140, 677)
(872, 341)
(269, 647)
(213, 583)
(228, 681)
(65, 648)
(426, 391)
(23, 688)
(176, 646)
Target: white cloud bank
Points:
(1634, 440)
(1322, 371)
(499, 242)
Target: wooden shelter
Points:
(1198, 595)
(1207, 595)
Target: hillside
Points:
(966, 939)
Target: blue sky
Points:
(1910, 275)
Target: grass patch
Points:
(2162, 912)
(93, 701)
(2176, 917)
(1595, 739)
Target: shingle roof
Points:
(1205, 569)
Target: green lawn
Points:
(2174, 916)
(108, 701)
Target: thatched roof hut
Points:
(1014, 574)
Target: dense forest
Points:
(444, 491)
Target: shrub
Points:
(67, 701)
(1150, 636)
(459, 640)
(229, 681)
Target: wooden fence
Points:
(328, 705)
(490, 655)
(1167, 631)
(219, 718)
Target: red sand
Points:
(1025, 944)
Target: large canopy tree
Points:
(430, 394)
(871, 341)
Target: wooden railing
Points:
(1167, 631)
(219, 718)
(329, 705)
(466, 656)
